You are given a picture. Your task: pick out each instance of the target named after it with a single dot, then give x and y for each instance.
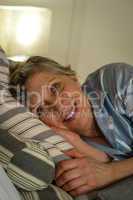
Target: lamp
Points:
(24, 31)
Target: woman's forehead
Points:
(39, 80)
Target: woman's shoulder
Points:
(111, 73)
(112, 79)
(115, 67)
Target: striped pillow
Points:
(27, 164)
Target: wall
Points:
(60, 34)
(106, 36)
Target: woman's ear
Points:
(68, 67)
(73, 75)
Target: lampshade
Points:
(24, 31)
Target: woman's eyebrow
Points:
(51, 79)
(33, 107)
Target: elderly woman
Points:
(100, 113)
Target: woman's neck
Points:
(95, 133)
(92, 129)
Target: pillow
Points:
(28, 166)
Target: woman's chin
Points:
(76, 125)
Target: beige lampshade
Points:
(24, 31)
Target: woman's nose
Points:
(66, 99)
(50, 102)
(63, 103)
(59, 102)
(66, 102)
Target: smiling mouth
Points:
(71, 114)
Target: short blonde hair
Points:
(20, 72)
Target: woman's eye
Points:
(56, 88)
(39, 111)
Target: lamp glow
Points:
(24, 31)
(28, 29)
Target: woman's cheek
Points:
(51, 118)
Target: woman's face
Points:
(58, 99)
